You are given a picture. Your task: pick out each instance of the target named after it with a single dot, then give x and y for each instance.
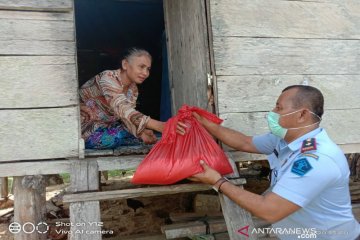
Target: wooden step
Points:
(142, 192)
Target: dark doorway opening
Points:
(104, 28)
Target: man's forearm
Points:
(230, 137)
(269, 207)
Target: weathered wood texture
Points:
(247, 56)
(141, 192)
(35, 168)
(333, 121)
(37, 5)
(53, 166)
(38, 81)
(30, 207)
(85, 217)
(32, 29)
(30, 15)
(36, 47)
(280, 43)
(39, 133)
(191, 229)
(235, 216)
(4, 190)
(258, 93)
(188, 52)
(84, 175)
(289, 19)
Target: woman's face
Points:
(137, 68)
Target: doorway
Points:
(104, 28)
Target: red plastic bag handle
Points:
(185, 113)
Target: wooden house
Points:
(230, 56)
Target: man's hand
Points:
(209, 175)
(181, 127)
(148, 136)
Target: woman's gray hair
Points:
(134, 52)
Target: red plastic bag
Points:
(176, 157)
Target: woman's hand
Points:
(209, 175)
(148, 136)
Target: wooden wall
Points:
(262, 46)
(188, 52)
(38, 80)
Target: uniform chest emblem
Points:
(308, 145)
(301, 167)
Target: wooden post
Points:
(30, 207)
(236, 217)
(4, 190)
(85, 216)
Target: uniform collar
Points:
(296, 144)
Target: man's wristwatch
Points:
(218, 183)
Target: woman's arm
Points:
(155, 125)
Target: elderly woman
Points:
(107, 105)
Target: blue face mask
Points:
(276, 129)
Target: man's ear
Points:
(303, 115)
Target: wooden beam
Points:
(30, 207)
(235, 216)
(141, 192)
(52, 166)
(191, 229)
(85, 219)
(85, 215)
(193, 216)
(4, 189)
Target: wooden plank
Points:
(193, 216)
(42, 30)
(85, 217)
(37, 5)
(140, 192)
(235, 216)
(123, 162)
(38, 81)
(34, 168)
(6, 14)
(39, 133)
(259, 92)
(191, 229)
(54, 166)
(30, 207)
(333, 120)
(287, 19)
(4, 190)
(36, 47)
(187, 47)
(245, 56)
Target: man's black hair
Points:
(308, 96)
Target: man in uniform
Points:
(310, 175)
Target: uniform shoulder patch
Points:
(308, 145)
(301, 167)
(310, 155)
